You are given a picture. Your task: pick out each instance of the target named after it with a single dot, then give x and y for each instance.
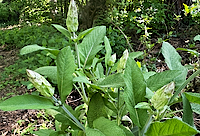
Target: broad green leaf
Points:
(115, 80)
(93, 132)
(135, 54)
(26, 102)
(135, 92)
(62, 30)
(195, 107)
(49, 71)
(96, 109)
(65, 69)
(158, 80)
(108, 50)
(171, 127)
(197, 38)
(81, 79)
(193, 52)
(32, 48)
(99, 73)
(91, 45)
(107, 127)
(84, 33)
(187, 111)
(173, 60)
(193, 97)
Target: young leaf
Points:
(49, 71)
(108, 50)
(171, 127)
(193, 97)
(62, 30)
(91, 45)
(158, 80)
(187, 111)
(26, 102)
(135, 92)
(173, 60)
(115, 80)
(84, 33)
(65, 69)
(107, 127)
(99, 71)
(96, 109)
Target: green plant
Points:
(193, 10)
(112, 94)
(8, 15)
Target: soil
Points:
(15, 123)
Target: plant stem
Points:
(77, 54)
(109, 68)
(79, 66)
(74, 120)
(84, 94)
(118, 109)
(148, 123)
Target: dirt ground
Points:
(15, 123)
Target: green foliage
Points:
(26, 102)
(109, 92)
(95, 111)
(193, 10)
(8, 15)
(173, 60)
(171, 127)
(65, 69)
(44, 35)
(134, 92)
(108, 127)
